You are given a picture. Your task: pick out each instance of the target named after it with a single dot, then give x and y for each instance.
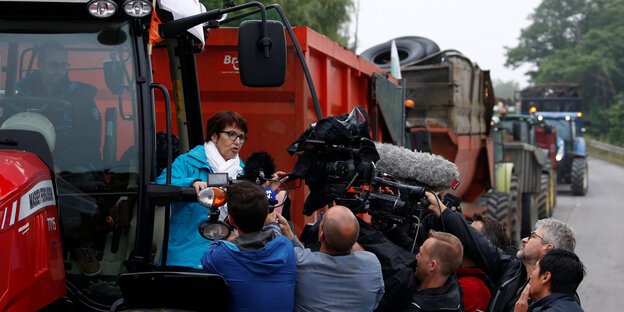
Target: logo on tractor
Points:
(51, 224)
(41, 195)
(228, 63)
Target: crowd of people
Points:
(457, 266)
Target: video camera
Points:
(336, 158)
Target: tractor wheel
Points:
(542, 198)
(579, 176)
(514, 213)
(497, 204)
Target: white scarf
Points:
(218, 164)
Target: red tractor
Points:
(78, 204)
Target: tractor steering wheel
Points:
(41, 104)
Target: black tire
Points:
(410, 49)
(497, 205)
(514, 213)
(579, 176)
(542, 197)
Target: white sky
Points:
(480, 29)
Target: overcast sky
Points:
(480, 29)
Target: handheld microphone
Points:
(426, 169)
(259, 166)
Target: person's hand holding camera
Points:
(435, 204)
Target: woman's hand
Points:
(199, 185)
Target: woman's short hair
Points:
(221, 120)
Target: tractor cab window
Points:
(564, 128)
(74, 83)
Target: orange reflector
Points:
(533, 109)
(409, 103)
(579, 114)
(219, 197)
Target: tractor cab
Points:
(77, 76)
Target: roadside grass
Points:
(611, 157)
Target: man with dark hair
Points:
(508, 274)
(336, 278)
(439, 257)
(78, 126)
(259, 265)
(492, 229)
(476, 285)
(553, 283)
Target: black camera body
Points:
(336, 158)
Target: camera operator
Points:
(259, 265)
(351, 280)
(509, 274)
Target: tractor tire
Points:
(542, 197)
(514, 213)
(579, 176)
(497, 205)
(410, 49)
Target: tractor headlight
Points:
(102, 8)
(138, 8)
(559, 154)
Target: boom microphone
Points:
(431, 170)
(259, 166)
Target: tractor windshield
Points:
(564, 128)
(74, 83)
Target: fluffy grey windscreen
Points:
(429, 169)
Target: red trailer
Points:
(277, 116)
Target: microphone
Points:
(259, 166)
(426, 169)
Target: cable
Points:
(285, 189)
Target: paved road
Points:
(598, 220)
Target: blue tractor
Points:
(561, 106)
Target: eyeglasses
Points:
(232, 135)
(56, 66)
(533, 235)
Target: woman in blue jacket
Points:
(225, 134)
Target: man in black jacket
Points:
(438, 289)
(79, 125)
(509, 274)
(553, 283)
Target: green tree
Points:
(506, 89)
(328, 17)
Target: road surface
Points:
(598, 220)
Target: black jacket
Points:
(445, 298)
(508, 274)
(557, 302)
(78, 128)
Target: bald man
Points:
(336, 278)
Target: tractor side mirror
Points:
(262, 60)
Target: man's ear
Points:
(433, 266)
(214, 137)
(545, 249)
(321, 236)
(545, 278)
